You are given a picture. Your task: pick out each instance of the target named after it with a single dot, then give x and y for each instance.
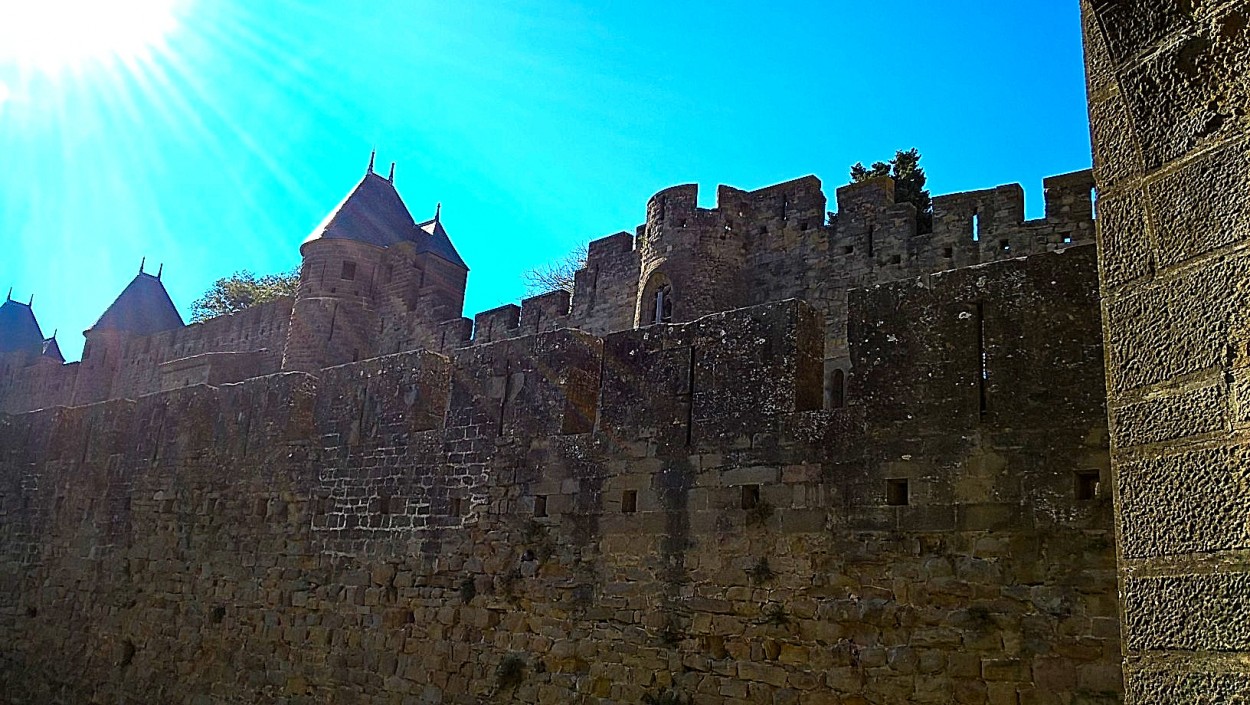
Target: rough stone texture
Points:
(863, 463)
(613, 515)
(1169, 97)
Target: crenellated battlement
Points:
(390, 287)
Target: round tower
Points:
(692, 260)
(331, 318)
(368, 264)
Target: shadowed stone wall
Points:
(564, 517)
(1169, 90)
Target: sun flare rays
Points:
(55, 35)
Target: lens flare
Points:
(52, 35)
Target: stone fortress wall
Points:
(570, 517)
(810, 487)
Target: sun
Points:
(54, 35)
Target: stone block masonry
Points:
(570, 517)
(1168, 101)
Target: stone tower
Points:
(684, 250)
(368, 269)
(1169, 101)
(142, 309)
(21, 340)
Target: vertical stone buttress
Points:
(1169, 97)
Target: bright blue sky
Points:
(538, 124)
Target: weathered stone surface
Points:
(1169, 80)
(1199, 612)
(378, 534)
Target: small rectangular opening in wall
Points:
(349, 271)
(976, 226)
(848, 250)
(457, 507)
(1004, 245)
(750, 496)
(983, 360)
(629, 501)
(948, 252)
(1088, 485)
(897, 493)
(896, 259)
(540, 505)
(1067, 238)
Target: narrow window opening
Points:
(870, 232)
(982, 360)
(835, 390)
(663, 312)
(349, 271)
(976, 226)
(848, 250)
(948, 252)
(897, 493)
(629, 501)
(540, 505)
(690, 399)
(750, 496)
(896, 259)
(682, 224)
(785, 208)
(1004, 245)
(1067, 238)
(1088, 485)
(804, 226)
(503, 402)
(763, 230)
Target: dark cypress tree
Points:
(909, 181)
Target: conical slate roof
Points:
(374, 213)
(52, 350)
(436, 242)
(143, 308)
(18, 328)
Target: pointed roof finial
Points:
(438, 209)
(54, 332)
(391, 178)
(372, 156)
(159, 270)
(31, 302)
(141, 263)
(9, 297)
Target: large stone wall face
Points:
(568, 518)
(1169, 98)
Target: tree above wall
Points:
(909, 183)
(242, 290)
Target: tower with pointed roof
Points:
(371, 275)
(142, 309)
(22, 342)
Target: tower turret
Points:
(141, 309)
(692, 260)
(369, 263)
